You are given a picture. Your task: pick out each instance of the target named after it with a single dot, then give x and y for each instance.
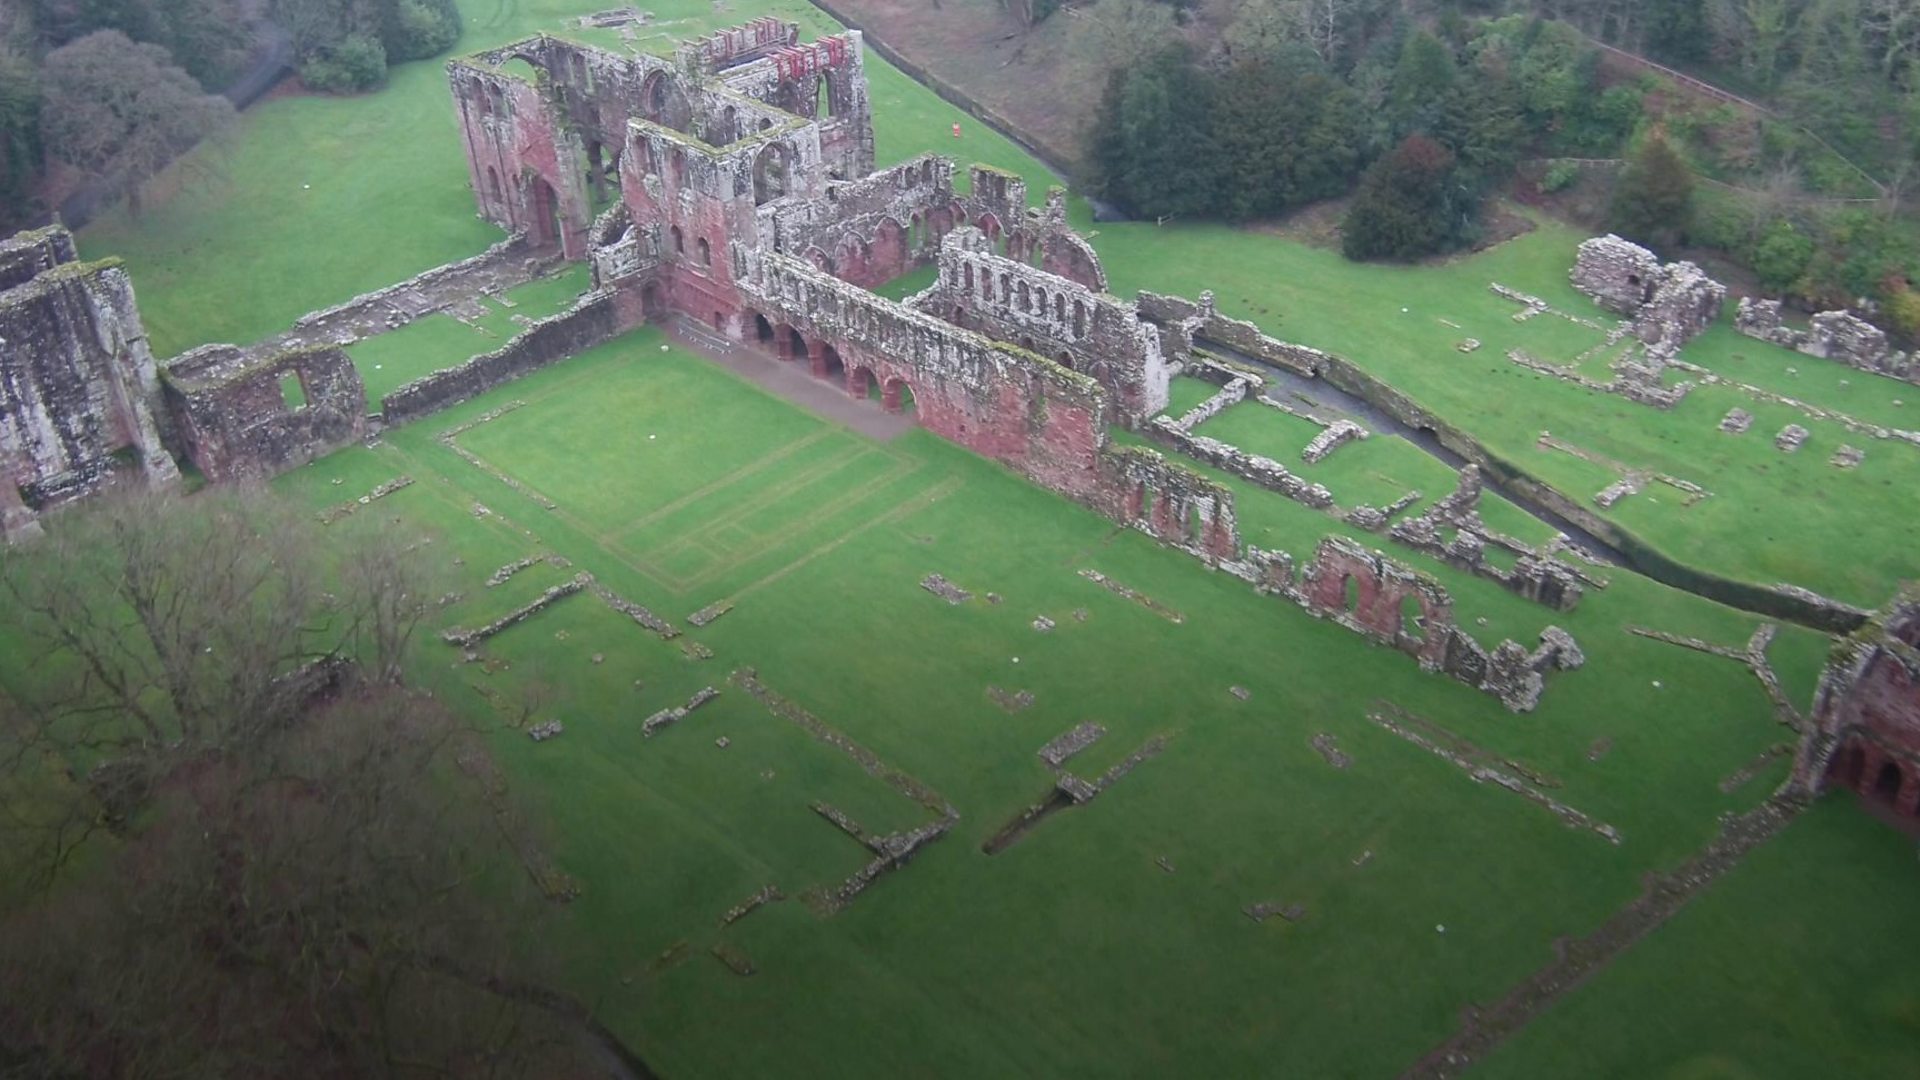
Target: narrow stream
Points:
(1320, 392)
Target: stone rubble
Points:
(1336, 435)
(944, 589)
(1065, 745)
(711, 612)
(466, 639)
(545, 731)
(1328, 748)
(767, 895)
(668, 717)
(1736, 422)
(1847, 457)
(1791, 438)
(1840, 336)
(380, 491)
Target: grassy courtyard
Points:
(1111, 939)
(677, 485)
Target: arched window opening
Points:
(705, 251)
(679, 241)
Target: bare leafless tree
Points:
(228, 849)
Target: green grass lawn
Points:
(1029, 960)
(1074, 952)
(1742, 984)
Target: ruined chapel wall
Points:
(236, 423)
(1007, 404)
(1093, 333)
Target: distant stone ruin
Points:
(1840, 336)
(1669, 304)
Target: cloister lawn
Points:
(678, 485)
(1075, 951)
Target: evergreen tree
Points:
(1148, 146)
(1653, 201)
(1410, 204)
(1423, 84)
(1280, 138)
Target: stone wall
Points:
(1169, 502)
(1865, 730)
(237, 422)
(1669, 304)
(1840, 336)
(1086, 331)
(595, 318)
(79, 390)
(1014, 406)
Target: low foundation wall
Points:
(597, 318)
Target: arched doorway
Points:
(1886, 784)
(896, 396)
(829, 365)
(762, 329)
(771, 173)
(797, 347)
(543, 209)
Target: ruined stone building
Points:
(83, 403)
(749, 208)
(79, 390)
(1865, 730)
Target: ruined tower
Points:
(78, 386)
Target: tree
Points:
(1147, 146)
(1410, 204)
(1283, 134)
(292, 870)
(1653, 200)
(1423, 83)
(1121, 35)
(20, 155)
(121, 111)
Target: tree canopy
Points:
(120, 111)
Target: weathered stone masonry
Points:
(1865, 730)
(750, 210)
(235, 417)
(79, 389)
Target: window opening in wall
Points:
(679, 241)
(293, 394)
(1412, 618)
(1079, 318)
(823, 97)
(1350, 593)
(705, 250)
(1887, 784)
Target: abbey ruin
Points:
(747, 212)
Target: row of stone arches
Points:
(1878, 776)
(824, 361)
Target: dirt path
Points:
(1482, 1030)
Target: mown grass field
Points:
(1074, 952)
(678, 485)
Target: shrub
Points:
(1559, 176)
(422, 28)
(357, 63)
(1781, 256)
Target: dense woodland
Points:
(116, 89)
(1420, 111)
